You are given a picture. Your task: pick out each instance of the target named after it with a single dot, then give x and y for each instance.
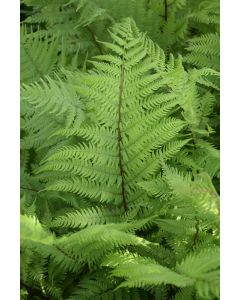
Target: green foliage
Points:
(205, 50)
(120, 150)
(38, 55)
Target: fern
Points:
(126, 154)
(119, 150)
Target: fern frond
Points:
(87, 217)
(123, 154)
(38, 55)
(207, 12)
(93, 243)
(32, 230)
(54, 101)
(89, 12)
(140, 272)
(101, 288)
(54, 97)
(204, 51)
(204, 267)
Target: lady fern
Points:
(129, 151)
(119, 160)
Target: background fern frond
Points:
(38, 55)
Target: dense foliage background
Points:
(120, 149)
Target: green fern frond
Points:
(54, 97)
(89, 12)
(207, 12)
(88, 217)
(204, 267)
(32, 230)
(38, 55)
(101, 288)
(187, 190)
(204, 51)
(140, 272)
(54, 101)
(123, 156)
(93, 243)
